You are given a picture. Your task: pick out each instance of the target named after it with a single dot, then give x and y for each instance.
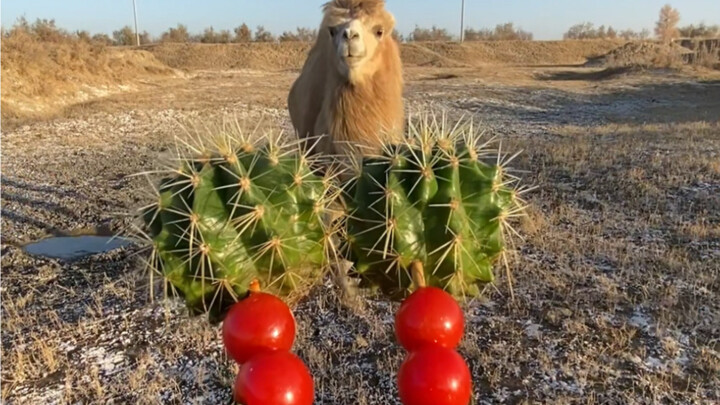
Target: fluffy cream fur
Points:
(350, 88)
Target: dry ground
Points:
(616, 285)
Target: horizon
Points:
(545, 23)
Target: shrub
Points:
(124, 36)
(177, 34)
(243, 34)
(666, 27)
(502, 32)
(432, 34)
(261, 35)
(301, 34)
(210, 36)
(700, 31)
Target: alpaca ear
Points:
(391, 22)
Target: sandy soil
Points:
(616, 291)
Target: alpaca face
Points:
(357, 40)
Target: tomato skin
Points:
(274, 378)
(434, 375)
(429, 315)
(260, 323)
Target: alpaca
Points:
(348, 96)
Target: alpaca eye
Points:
(379, 32)
(333, 31)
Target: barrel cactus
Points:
(235, 211)
(433, 203)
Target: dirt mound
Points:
(291, 55)
(40, 77)
(276, 56)
(417, 54)
(643, 55)
(506, 52)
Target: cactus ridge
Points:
(232, 209)
(436, 199)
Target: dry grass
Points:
(514, 53)
(43, 70)
(708, 56)
(620, 265)
(46, 70)
(265, 56)
(656, 55)
(291, 55)
(617, 297)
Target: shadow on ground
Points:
(618, 102)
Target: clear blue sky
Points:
(547, 19)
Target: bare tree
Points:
(502, 32)
(666, 28)
(584, 30)
(261, 35)
(601, 32)
(178, 34)
(700, 31)
(243, 33)
(45, 30)
(210, 36)
(83, 36)
(124, 36)
(306, 34)
(301, 35)
(223, 37)
(508, 32)
(588, 31)
(102, 39)
(145, 38)
(432, 34)
(288, 36)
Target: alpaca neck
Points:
(365, 110)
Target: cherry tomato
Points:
(429, 315)
(260, 323)
(434, 375)
(274, 378)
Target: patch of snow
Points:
(532, 330)
(640, 321)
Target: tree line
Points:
(242, 33)
(666, 29)
(501, 32)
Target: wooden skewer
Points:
(417, 273)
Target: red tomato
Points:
(260, 323)
(434, 375)
(274, 378)
(429, 315)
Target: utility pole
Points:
(137, 34)
(462, 22)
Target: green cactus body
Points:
(237, 215)
(432, 201)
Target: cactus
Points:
(238, 211)
(432, 202)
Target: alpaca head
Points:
(357, 31)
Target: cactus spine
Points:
(234, 211)
(433, 202)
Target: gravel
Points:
(112, 344)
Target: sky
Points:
(546, 19)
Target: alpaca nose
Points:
(351, 34)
